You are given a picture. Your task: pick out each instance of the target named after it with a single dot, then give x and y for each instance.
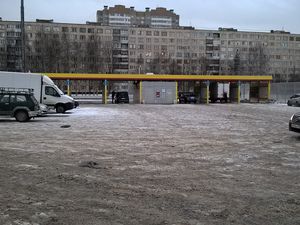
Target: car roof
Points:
(296, 95)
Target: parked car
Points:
(18, 103)
(187, 97)
(294, 123)
(294, 100)
(122, 97)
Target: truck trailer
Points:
(45, 91)
(219, 92)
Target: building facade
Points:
(119, 15)
(123, 48)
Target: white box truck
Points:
(219, 92)
(45, 91)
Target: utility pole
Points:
(23, 36)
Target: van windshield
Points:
(59, 91)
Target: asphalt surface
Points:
(152, 164)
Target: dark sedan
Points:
(122, 97)
(294, 100)
(294, 124)
(187, 97)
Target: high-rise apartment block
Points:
(119, 15)
(126, 41)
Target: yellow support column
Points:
(239, 92)
(269, 90)
(176, 92)
(141, 92)
(104, 94)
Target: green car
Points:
(19, 103)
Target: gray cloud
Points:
(253, 15)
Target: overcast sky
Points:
(247, 15)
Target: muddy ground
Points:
(152, 164)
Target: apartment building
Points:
(223, 51)
(56, 46)
(95, 48)
(119, 15)
(276, 53)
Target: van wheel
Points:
(60, 109)
(21, 116)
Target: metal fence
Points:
(281, 92)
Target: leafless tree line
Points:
(52, 53)
(254, 61)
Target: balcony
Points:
(120, 56)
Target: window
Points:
(4, 99)
(51, 91)
(141, 40)
(65, 29)
(156, 33)
(47, 29)
(172, 34)
(91, 30)
(164, 33)
(164, 47)
(74, 29)
(20, 98)
(82, 30)
(148, 33)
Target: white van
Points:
(45, 91)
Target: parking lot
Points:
(152, 164)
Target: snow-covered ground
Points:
(152, 164)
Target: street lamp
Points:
(23, 36)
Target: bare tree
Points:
(66, 53)
(3, 57)
(254, 61)
(257, 62)
(44, 55)
(203, 63)
(237, 63)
